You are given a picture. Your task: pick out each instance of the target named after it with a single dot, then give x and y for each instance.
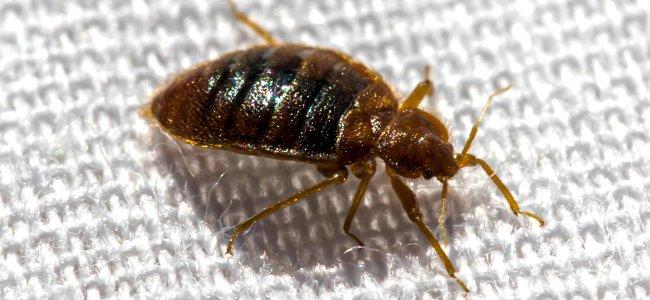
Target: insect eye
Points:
(428, 174)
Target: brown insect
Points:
(318, 106)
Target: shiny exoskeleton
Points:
(287, 101)
(319, 106)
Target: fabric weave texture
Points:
(95, 202)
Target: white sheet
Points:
(96, 203)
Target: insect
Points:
(319, 106)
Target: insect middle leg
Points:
(423, 89)
(257, 28)
(409, 204)
(366, 171)
(336, 178)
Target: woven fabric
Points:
(95, 202)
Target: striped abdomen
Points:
(286, 101)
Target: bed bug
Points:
(319, 106)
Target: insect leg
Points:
(407, 197)
(423, 89)
(257, 28)
(368, 170)
(443, 211)
(465, 160)
(337, 178)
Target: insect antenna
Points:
(465, 159)
(487, 105)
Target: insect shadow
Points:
(225, 188)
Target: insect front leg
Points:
(443, 211)
(366, 171)
(409, 204)
(257, 28)
(336, 178)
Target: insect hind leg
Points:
(257, 28)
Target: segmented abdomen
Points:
(285, 100)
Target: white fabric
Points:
(94, 202)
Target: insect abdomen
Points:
(279, 100)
